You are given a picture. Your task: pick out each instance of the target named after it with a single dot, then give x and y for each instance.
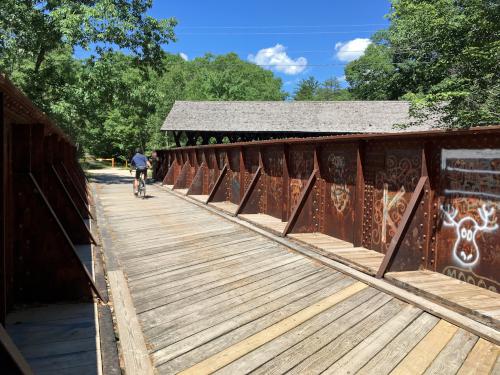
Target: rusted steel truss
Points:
(426, 200)
(44, 207)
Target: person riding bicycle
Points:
(141, 164)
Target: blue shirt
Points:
(139, 161)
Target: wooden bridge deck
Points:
(211, 296)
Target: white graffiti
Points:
(465, 249)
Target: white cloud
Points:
(352, 49)
(276, 58)
(184, 56)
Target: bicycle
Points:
(141, 188)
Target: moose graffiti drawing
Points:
(465, 249)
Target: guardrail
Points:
(426, 200)
(44, 208)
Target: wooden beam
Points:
(300, 204)
(403, 227)
(68, 240)
(73, 204)
(13, 352)
(135, 355)
(217, 183)
(249, 191)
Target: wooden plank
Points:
(154, 318)
(329, 348)
(393, 353)
(133, 348)
(181, 339)
(419, 359)
(481, 359)
(423, 303)
(266, 352)
(227, 356)
(364, 351)
(453, 355)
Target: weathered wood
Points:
(393, 353)
(364, 351)
(481, 359)
(205, 286)
(450, 359)
(227, 356)
(133, 348)
(468, 299)
(422, 355)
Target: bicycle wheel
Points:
(143, 189)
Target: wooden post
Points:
(402, 227)
(359, 197)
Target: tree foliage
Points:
(442, 55)
(312, 89)
(116, 99)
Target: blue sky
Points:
(316, 37)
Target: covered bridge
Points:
(244, 121)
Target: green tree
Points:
(331, 89)
(444, 56)
(38, 39)
(311, 89)
(307, 89)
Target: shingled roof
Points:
(300, 116)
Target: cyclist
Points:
(141, 164)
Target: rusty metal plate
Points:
(301, 165)
(468, 230)
(395, 181)
(272, 199)
(338, 173)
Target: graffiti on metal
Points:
(465, 250)
(394, 186)
(471, 192)
(340, 192)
